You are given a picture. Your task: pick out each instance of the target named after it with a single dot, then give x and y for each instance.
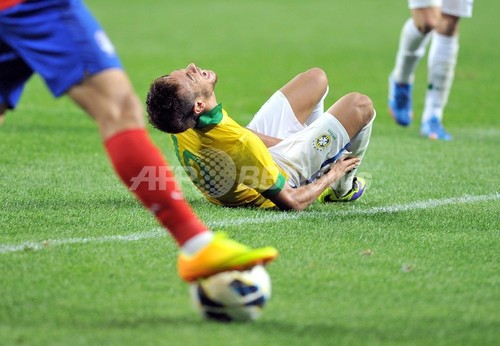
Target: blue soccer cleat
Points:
(433, 129)
(400, 102)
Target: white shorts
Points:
(305, 152)
(458, 8)
(276, 118)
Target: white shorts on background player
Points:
(305, 151)
(458, 8)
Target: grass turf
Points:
(413, 262)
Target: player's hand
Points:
(343, 166)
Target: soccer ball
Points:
(233, 295)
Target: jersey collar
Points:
(212, 117)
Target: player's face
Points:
(197, 74)
(196, 79)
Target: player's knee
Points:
(448, 25)
(427, 24)
(123, 113)
(316, 79)
(319, 75)
(363, 106)
(126, 107)
(426, 19)
(130, 111)
(426, 27)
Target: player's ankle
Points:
(197, 243)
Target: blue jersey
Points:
(58, 39)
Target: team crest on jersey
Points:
(321, 142)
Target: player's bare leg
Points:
(305, 91)
(354, 111)
(108, 97)
(426, 19)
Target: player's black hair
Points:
(170, 109)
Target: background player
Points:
(430, 19)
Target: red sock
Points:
(143, 169)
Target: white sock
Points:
(319, 109)
(196, 243)
(412, 45)
(358, 147)
(441, 70)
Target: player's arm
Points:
(267, 140)
(290, 198)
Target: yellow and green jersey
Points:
(229, 164)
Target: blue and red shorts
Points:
(58, 39)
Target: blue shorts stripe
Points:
(325, 164)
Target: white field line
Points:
(270, 217)
(32, 246)
(431, 203)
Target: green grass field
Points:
(414, 262)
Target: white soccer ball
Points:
(233, 295)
